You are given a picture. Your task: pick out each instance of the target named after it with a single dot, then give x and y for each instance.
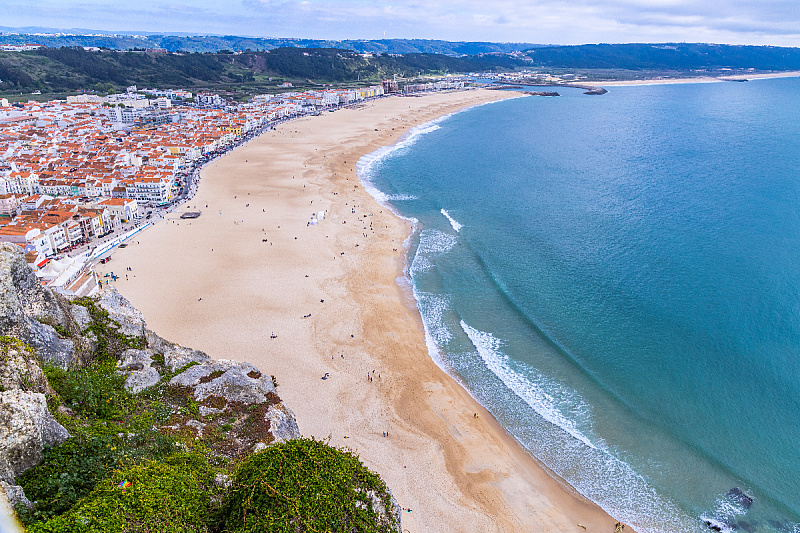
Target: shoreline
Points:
(225, 282)
(695, 79)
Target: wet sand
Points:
(252, 266)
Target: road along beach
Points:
(261, 277)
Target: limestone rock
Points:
(196, 424)
(137, 364)
(259, 446)
(222, 480)
(234, 384)
(81, 316)
(205, 411)
(193, 375)
(18, 279)
(397, 512)
(8, 523)
(26, 427)
(15, 494)
(20, 370)
(379, 508)
(175, 355)
(24, 302)
(131, 321)
(282, 424)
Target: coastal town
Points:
(80, 176)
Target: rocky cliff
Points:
(30, 312)
(87, 392)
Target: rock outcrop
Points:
(230, 407)
(19, 368)
(379, 508)
(229, 399)
(26, 427)
(130, 320)
(138, 365)
(282, 424)
(175, 355)
(230, 380)
(15, 495)
(29, 311)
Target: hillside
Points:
(71, 69)
(667, 56)
(215, 43)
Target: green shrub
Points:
(171, 496)
(68, 472)
(96, 391)
(304, 485)
(71, 470)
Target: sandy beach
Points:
(252, 267)
(696, 79)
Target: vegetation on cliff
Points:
(162, 438)
(172, 495)
(305, 485)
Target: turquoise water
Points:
(617, 279)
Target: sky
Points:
(760, 22)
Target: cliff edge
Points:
(104, 424)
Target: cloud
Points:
(535, 21)
(558, 21)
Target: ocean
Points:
(616, 279)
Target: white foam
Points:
(433, 325)
(542, 395)
(717, 525)
(435, 242)
(433, 306)
(726, 509)
(456, 226)
(401, 197)
(366, 164)
(633, 499)
(607, 480)
(432, 243)
(420, 263)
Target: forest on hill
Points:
(218, 43)
(54, 70)
(667, 56)
(70, 69)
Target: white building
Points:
(209, 99)
(20, 47)
(161, 102)
(125, 115)
(151, 190)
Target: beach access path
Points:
(251, 279)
